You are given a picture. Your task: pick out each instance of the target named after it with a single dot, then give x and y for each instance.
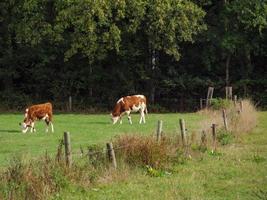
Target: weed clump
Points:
(145, 150)
(219, 103)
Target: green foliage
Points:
(150, 171)
(96, 155)
(224, 137)
(214, 153)
(219, 103)
(258, 158)
(165, 49)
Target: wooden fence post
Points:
(159, 130)
(201, 104)
(214, 137)
(111, 155)
(225, 120)
(183, 131)
(67, 149)
(228, 93)
(70, 103)
(235, 100)
(241, 106)
(209, 96)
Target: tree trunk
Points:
(248, 69)
(227, 82)
(91, 85)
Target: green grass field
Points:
(84, 129)
(238, 172)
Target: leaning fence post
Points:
(241, 106)
(209, 96)
(201, 105)
(111, 155)
(159, 130)
(214, 137)
(225, 120)
(183, 133)
(235, 100)
(228, 92)
(67, 149)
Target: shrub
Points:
(144, 150)
(224, 137)
(219, 103)
(96, 155)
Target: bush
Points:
(219, 103)
(139, 150)
(224, 137)
(96, 155)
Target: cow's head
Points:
(25, 125)
(114, 118)
(26, 122)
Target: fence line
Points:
(110, 150)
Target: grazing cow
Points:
(127, 105)
(37, 112)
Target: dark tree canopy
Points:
(99, 50)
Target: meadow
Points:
(236, 171)
(85, 130)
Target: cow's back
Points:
(40, 110)
(134, 100)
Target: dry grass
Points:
(39, 179)
(145, 150)
(239, 120)
(246, 120)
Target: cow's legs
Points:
(25, 130)
(120, 120)
(32, 127)
(52, 127)
(47, 125)
(129, 116)
(142, 118)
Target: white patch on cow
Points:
(45, 117)
(120, 100)
(136, 108)
(140, 96)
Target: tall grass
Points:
(146, 150)
(239, 121)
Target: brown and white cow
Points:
(37, 112)
(127, 105)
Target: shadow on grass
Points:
(10, 131)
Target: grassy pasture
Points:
(237, 172)
(84, 129)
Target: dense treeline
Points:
(99, 50)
